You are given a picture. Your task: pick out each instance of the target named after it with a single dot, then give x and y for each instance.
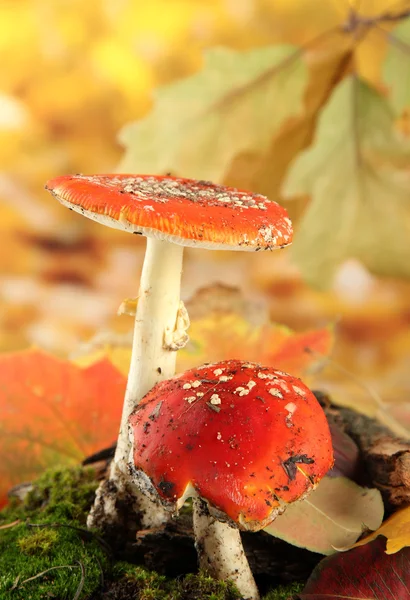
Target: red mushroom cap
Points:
(183, 211)
(249, 439)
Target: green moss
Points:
(51, 546)
(284, 592)
(39, 542)
(203, 586)
(63, 492)
(137, 583)
(58, 504)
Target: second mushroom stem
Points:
(220, 550)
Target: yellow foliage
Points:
(396, 529)
(223, 335)
(78, 71)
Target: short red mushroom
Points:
(172, 213)
(243, 440)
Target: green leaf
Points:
(234, 105)
(357, 174)
(333, 516)
(396, 69)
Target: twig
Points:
(101, 572)
(82, 581)
(10, 524)
(43, 573)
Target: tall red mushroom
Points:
(241, 439)
(171, 213)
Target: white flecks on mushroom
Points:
(215, 399)
(186, 386)
(281, 373)
(251, 384)
(275, 392)
(224, 378)
(199, 394)
(196, 383)
(190, 399)
(299, 391)
(283, 385)
(269, 376)
(219, 436)
(241, 391)
(267, 234)
(167, 188)
(218, 372)
(291, 407)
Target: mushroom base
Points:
(119, 503)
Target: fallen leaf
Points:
(223, 336)
(336, 510)
(198, 125)
(365, 573)
(220, 336)
(356, 175)
(396, 529)
(53, 412)
(396, 66)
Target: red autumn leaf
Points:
(270, 344)
(53, 412)
(296, 352)
(364, 573)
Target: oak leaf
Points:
(356, 175)
(396, 68)
(53, 412)
(233, 105)
(228, 335)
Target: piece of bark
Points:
(385, 456)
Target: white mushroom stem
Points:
(220, 550)
(155, 321)
(159, 331)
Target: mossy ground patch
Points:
(49, 553)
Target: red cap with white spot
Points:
(248, 439)
(184, 211)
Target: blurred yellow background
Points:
(73, 73)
